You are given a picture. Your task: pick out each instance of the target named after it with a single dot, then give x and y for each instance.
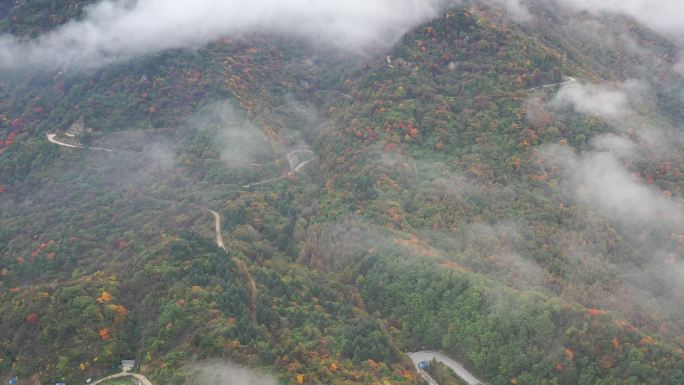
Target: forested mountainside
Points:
(475, 189)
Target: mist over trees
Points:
(497, 180)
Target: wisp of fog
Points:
(113, 31)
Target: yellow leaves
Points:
(515, 162)
(300, 378)
(648, 340)
(84, 365)
(104, 297)
(616, 343)
(407, 375)
(119, 309)
(196, 289)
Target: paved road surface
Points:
(51, 138)
(217, 227)
(294, 166)
(568, 80)
(455, 366)
(140, 377)
(241, 266)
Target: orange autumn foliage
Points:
(119, 309)
(32, 318)
(373, 365)
(595, 312)
(104, 297)
(104, 334)
(647, 341)
(407, 375)
(333, 367)
(570, 354)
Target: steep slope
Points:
(431, 218)
(448, 140)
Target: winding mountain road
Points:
(429, 355)
(295, 164)
(52, 139)
(217, 227)
(569, 80)
(240, 265)
(143, 380)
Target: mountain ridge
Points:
(430, 218)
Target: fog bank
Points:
(113, 31)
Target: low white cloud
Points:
(598, 177)
(617, 145)
(623, 105)
(646, 217)
(113, 31)
(226, 374)
(611, 102)
(516, 10)
(664, 17)
(600, 180)
(238, 141)
(679, 66)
